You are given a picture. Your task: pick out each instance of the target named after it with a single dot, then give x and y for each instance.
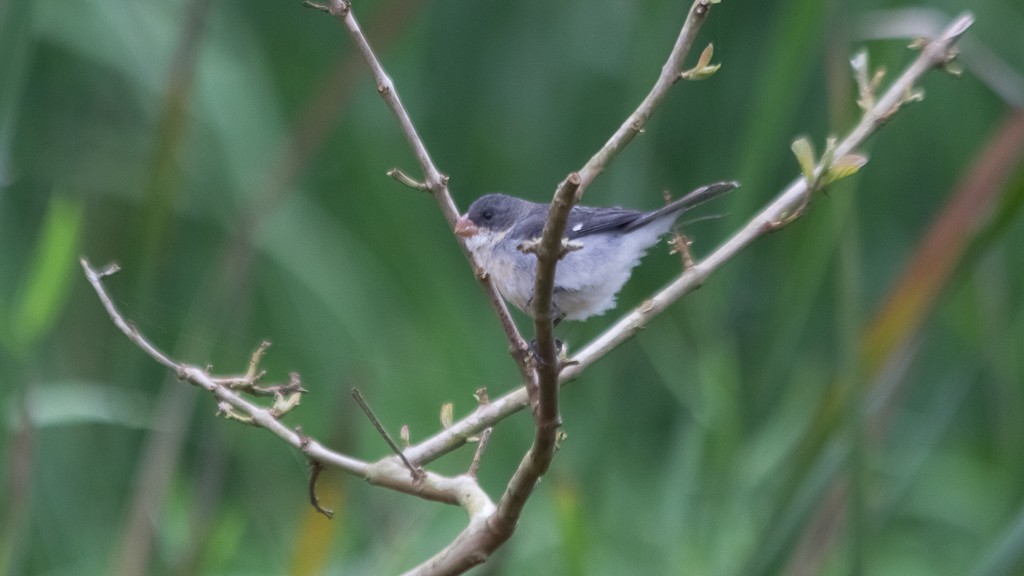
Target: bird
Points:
(608, 243)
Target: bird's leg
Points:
(557, 316)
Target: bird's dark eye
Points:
(487, 215)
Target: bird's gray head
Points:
(493, 212)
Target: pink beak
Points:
(464, 227)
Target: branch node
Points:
(229, 413)
(304, 440)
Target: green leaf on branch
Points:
(846, 166)
(804, 151)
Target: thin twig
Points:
(96, 279)
(481, 446)
(315, 468)
(407, 180)
(636, 121)
(482, 399)
(416, 472)
(433, 180)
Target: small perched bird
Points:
(609, 241)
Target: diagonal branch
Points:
(434, 181)
(636, 121)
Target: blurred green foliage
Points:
(231, 155)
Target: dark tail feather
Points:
(698, 196)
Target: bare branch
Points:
(549, 251)
(434, 181)
(634, 124)
(482, 399)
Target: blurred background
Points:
(846, 397)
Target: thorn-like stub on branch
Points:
(403, 434)
(681, 245)
(333, 7)
(253, 374)
(225, 410)
(481, 396)
(315, 468)
(304, 440)
(704, 6)
(108, 270)
(560, 436)
(478, 455)
(283, 404)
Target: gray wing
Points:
(584, 220)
